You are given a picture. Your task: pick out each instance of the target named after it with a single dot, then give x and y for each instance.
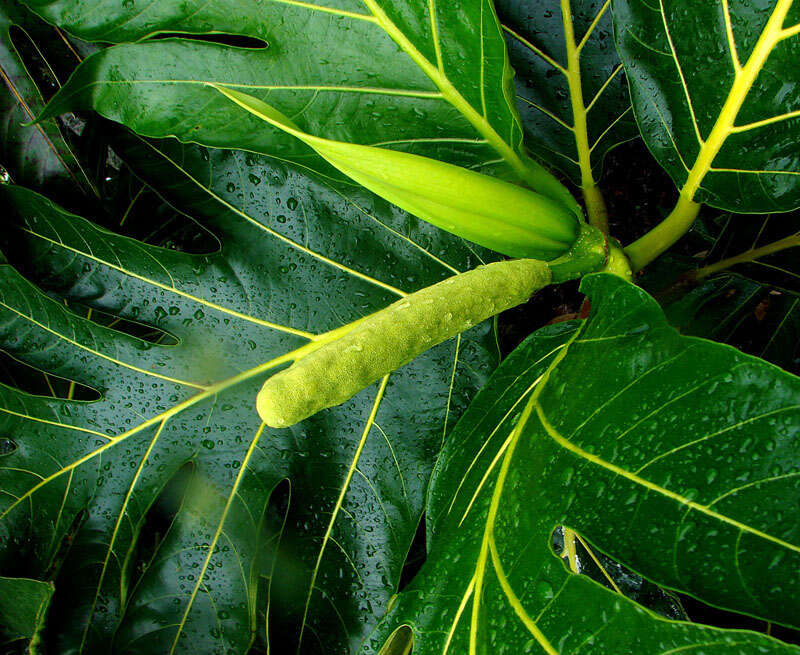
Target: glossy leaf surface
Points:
(298, 257)
(689, 448)
(39, 156)
(574, 101)
(431, 78)
(23, 604)
(716, 92)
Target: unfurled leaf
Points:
(716, 89)
(431, 78)
(688, 448)
(298, 257)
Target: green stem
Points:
(748, 256)
(589, 254)
(595, 205)
(617, 261)
(665, 234)
(596, 209)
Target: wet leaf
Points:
(572, 92)
(689, 448)
(432, 78)
(715, 92)
(298, 256)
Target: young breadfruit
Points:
(392, 337)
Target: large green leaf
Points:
(677, 456)
(716, 92)
(432, 78)
(574, 105)
(298, 256)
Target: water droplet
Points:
(7, 446)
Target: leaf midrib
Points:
(451, 93)
(744, 78)
(487, 552)
(579, 452)
(572, 73)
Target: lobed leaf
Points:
(715, 91)
(690, 449)
(432, 78)
(95, 472)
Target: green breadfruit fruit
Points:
(392, 337)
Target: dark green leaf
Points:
(744, 242)
(753, 317)
(689, 448)
(40, 156)
(746, 296)
(298, 256)
(429, 78)
(715, 88)
(574, 100)
(23, 604)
